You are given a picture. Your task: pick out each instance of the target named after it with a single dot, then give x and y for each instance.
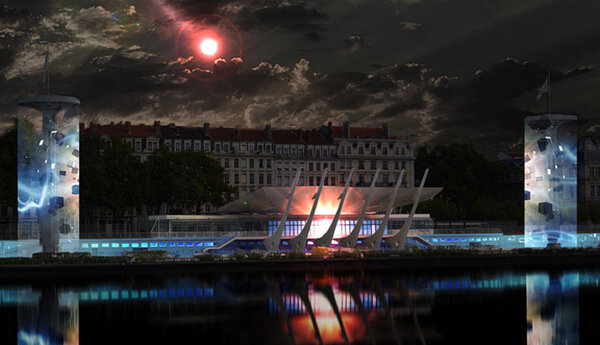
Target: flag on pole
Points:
(544, 89)
(45, 67)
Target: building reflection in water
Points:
(552, 308)
(331, 311)
(308, 309)
(53, 320)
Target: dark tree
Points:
(186, 177)
(8, 167)
(473, 185)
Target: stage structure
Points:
(374, 240)
(299, 242)
(48, 172)
(272, 242)
(350, 240)
(398, 239)
(325, 240)
(550, 196)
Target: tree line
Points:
(113, 178)
(475, 188)
(116, 179)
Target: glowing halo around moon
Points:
(209, 47)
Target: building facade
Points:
(589, 169)
(268, 157)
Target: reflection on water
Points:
(307, 308)
(54, 319)
(553, 308)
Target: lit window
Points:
(115, 245)
(105, 245)
(94, 245)
(125, 245)
(135, 245)
(84, 245)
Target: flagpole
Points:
(48, 68)
(549, 96)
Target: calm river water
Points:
(486, 307)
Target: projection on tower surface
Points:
(48, 171)
(550, 180)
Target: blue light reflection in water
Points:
(310, 308)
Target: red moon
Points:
(209, 47)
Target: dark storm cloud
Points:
(251, 14)
(350, 98)
(481, 109)
(313, 36)
(291, 16)
(307, 63)
(355, 43)
(409, 26)
(413, 100)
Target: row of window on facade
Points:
(593, 172)
(258, 148)
(385, 165)
(247, 163)
(251, 178)
(252, 148)
(347, 149)
(594, 191)
(260, 163)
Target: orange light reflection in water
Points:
(329, 328)
(327, 322)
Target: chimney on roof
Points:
(236, 132)
(268, 131)
(346, 129)
(112, 123)
(94, 126)
(156, 127)
(386, 130)
(128, 126)
(81, 127)
(206, 128)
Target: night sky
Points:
(441, 71)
